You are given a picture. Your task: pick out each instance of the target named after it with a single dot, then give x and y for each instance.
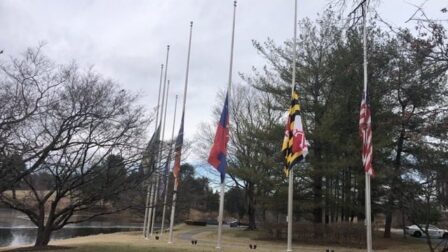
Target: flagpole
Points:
(290, 201)
(173, 207)
(290, 172)
(229, 88)
(367, 190)
(151, 204)
(173, 210)
(167, 179)
(149, 188)
(162, 123)
(160, 146)
(220, 217)
(163, 136)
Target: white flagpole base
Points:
(368, 215)
(173, 209)
(220, 217)
(290, 202)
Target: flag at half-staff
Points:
(365, 132)
(149, 156)
(178, 151)
(294, 145)
(149, 166)
(218, 153)
(179, 142)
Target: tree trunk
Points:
(403, 220)
(317, 185)
(317, 192)
(317, 211)
(43, 237)
(388, 224)
(347, 194)
(343, 205)
(429, 243)
(251, 206)
(327, 200)
(361, 214)
(395, 183)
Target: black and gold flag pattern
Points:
(294, 145)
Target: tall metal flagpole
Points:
(167, 179)
(229, 88)
(156, 186)
(173, 207)
(163, 124)
(291, 171)
(149, 188)
(163, 136)
(368, 203)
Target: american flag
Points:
(365, 131)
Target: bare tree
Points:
(85, 134)
(25, 89)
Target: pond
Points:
(16, 228)
(13, 236)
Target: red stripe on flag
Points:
(365, 131)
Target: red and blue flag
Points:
(218, 153)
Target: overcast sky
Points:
(126, 40)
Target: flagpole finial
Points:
(168, 47)
(191, 23)
(234, 3)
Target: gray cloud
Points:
(126, 40)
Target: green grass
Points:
(250, 234)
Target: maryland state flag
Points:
(294, 146)
(178, 151)
(218, 153)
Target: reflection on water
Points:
(11, 236)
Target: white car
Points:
(433, 231)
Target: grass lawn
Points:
(234, 240)
(122, 247)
